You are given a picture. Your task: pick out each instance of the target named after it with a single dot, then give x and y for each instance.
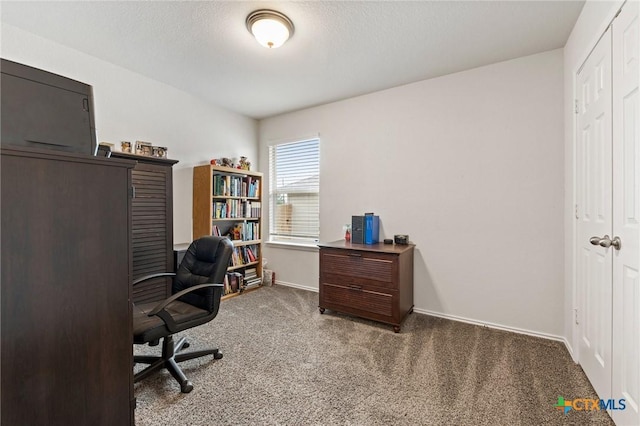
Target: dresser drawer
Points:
(358, 282)
(361, 266)
(352, 300)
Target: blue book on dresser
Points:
(371, 229)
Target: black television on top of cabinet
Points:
(44, 110)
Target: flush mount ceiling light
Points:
(269, 27)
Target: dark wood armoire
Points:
(66, 353)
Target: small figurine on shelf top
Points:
(244, 164)
(225, 162)
(233, 163)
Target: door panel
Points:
(626, 215)
(595, 216)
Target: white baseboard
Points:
(495, 326)
(560, 339)
(570, 350)
(301, 287)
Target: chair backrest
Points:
(205, 261)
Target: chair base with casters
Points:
(169, 359)
(195, 301)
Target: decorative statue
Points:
(244, 164)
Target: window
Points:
(294, 191)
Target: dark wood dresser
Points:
(372, 281)
(67, 344)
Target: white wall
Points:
(592, 22)
(470, 165)
(129, 106)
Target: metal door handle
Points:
(616, 243)
(595, 241)
(605, 242)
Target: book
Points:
(239, 280)
(233, 280)
(227, 287)
(252, 257)
(371, 228)
(252, 285)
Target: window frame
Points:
(278, 238)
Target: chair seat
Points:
(147, 329)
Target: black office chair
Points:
(195, 301)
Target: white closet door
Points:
(594, 262)
(626, 215)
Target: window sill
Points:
(293, 246)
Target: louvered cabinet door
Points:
(151, 225)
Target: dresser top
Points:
(379, 247)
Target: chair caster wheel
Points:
(217, 355)
(186, 387)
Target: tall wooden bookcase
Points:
(227, 201)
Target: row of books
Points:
(245, 254)
(251, 278)
(236, 209)
(235, 186)
(236, 282)
(255, 209)
(239, 232)
(253, 187)
(245, 231)
(233, 282)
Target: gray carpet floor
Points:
(285, 364)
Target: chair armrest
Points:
(159, 309)
(148, 277)
(160, 306)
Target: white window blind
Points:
(294, 191)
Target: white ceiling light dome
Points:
(269, 27)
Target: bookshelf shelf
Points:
(240, 243)
(234, 268)
(230, 295)
(231, 197)
(227, 219)
(227, 202)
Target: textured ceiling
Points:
(340, 49)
